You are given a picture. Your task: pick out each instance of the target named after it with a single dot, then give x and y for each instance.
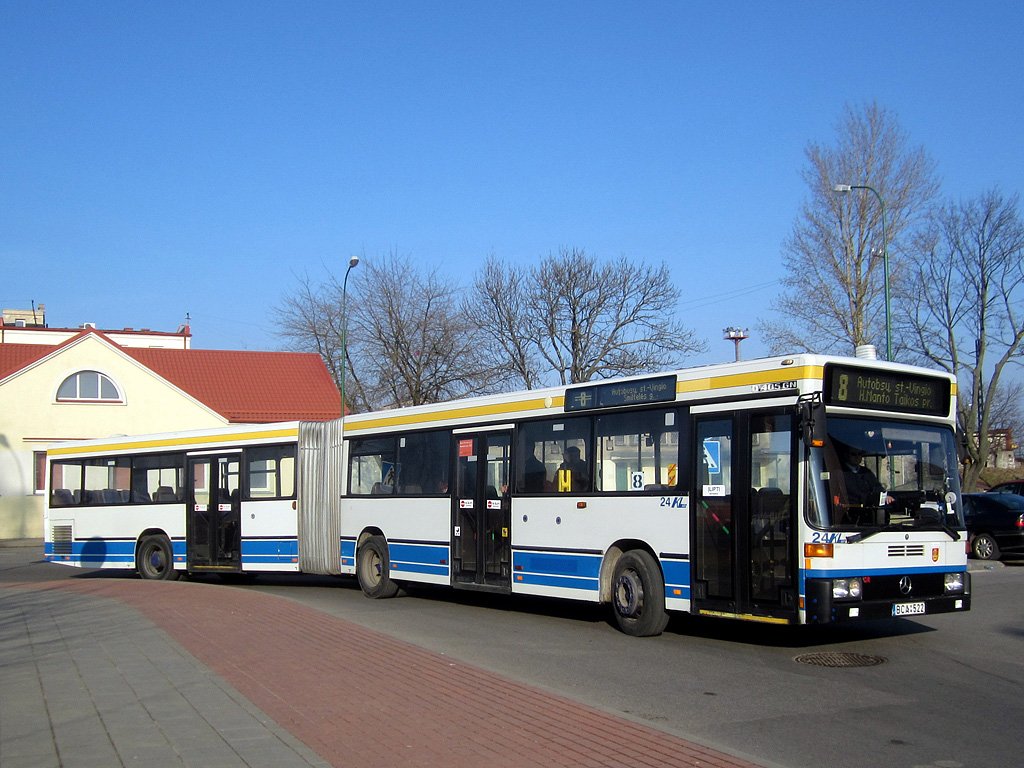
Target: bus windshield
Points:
(876, 475)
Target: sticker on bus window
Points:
(713, 456)
(714, 490)
(465, 448)
(465, 503)
(494, 503)
(636, 481)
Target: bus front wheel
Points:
(638, 595)
(372, 569)
(156, 559)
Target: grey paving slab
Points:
(88, 682)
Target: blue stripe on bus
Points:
(348, 552)
(557, 564)
(677, 577)
(849, 573)
(95, 552)
(546, 569)
(567, 582)
(418, 558)
(257, 551)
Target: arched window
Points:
(88, 385)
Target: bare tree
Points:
(310, 320)
(967, 309)
(577, 319)
(833, 292)
(409, 342)
(499, 302)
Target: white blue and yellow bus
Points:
(796, 490)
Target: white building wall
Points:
(10, 334)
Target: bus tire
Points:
(155, 560)
(638, 595)
(984, 547)
(372, 569)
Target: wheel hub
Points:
(629, 594)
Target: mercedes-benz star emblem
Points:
(905, 585)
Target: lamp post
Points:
(344, 328)
(844, 189)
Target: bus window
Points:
(158, 478)
(372, 466)
(637, 451)
(65, 483)
(561, 451)
(424, 460)
(107, 481)
(271, 472)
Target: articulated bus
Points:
(796, 490)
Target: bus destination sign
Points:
(886, 390)
(660, 389)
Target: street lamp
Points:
(844, 189)
(344, 328)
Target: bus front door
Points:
(743, 525)
(481, 511)
(213, 532)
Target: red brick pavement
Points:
(358, 697)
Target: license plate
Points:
(907, 609)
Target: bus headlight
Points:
(953, 583)
(846, 589)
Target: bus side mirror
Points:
(961, 446)
(812, 419)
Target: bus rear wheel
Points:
(156, 559)
(638, 595)
(372, 568)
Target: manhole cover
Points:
(840, 659)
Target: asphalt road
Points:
(947, 693)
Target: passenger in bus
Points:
(577, 469)
(862, 487)
(534, 474)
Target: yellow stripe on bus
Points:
(167, 442)
(496, 409)
(454, 413)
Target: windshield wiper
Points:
(860, 536)
(953, 534)
(936, 525)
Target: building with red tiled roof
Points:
(79, 384)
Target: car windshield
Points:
(873, 474)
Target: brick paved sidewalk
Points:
(89, 682)
(358, 697)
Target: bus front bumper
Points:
(822, 607)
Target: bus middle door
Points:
(213, 530)
(481, 514)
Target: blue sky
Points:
(164, 158)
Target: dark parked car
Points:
(995, 523)
(1010, 486)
